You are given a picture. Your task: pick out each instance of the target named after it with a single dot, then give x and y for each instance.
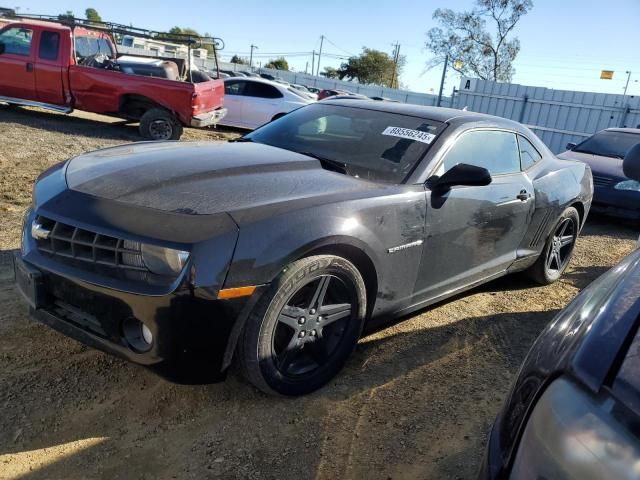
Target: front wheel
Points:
(558, 249)
(304, 328)
(160, 124)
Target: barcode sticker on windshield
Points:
(417, 135)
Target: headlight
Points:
(164, 261)
(632, 185)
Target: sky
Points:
(564, 43)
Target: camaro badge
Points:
(404, 247)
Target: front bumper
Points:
(616, 203)
(209, 118)
(193, 336)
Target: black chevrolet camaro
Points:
(279, 249)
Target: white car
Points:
(251, 102)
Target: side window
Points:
(234, 87)
(49, 45)
(528, 153)
(17, 40)
(495, 150)
(262, 90)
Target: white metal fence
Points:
(557, 116)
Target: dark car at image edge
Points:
(279, 250)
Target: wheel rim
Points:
(160, 129)
(561, 247)
(312, 325)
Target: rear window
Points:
(89, 46)
(609, 144)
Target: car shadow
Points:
(83, 124)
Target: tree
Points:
(92, 15)
(186, 31)
(278, 64)
(329, 72)
(372, 66)
(68, 15)
(239, 60)
(473, 49)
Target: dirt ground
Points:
(415, 401)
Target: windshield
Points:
(377, 146)
(609, 144)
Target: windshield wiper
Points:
(241, 140)
(334, 165)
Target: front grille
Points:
(76, 244)
(602, 181)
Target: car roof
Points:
(439, 114)
(624, 130)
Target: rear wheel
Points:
(558, 249)
(160, 124)
(302, 331)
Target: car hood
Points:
(205, 177)
(603, 166)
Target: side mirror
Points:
(631, 163)
(461, 174)
(571, 145)
(2, 48)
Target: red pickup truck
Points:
(60, 67)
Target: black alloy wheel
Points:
(558, 249)
(303, 329)
(312, 324)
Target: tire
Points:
(291, 344)
(558, 249)
(160, 124)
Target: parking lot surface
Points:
(416, 399)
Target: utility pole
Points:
(320, 54)
(313, 62)
(253, 47)
(444, 74)
(628, 72)
(396, 56)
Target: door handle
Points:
(29, 67)
(523, 195)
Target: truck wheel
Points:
(159, 124)
(303, 329)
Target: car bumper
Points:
(193, 336)
(617, 203)
(209, 118)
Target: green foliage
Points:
(186, 31)
(372, 67)
(278, 64)
(472, 48)
(329, 72)
(92, 15)
(68, 15)
(240, 60)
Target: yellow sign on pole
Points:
(606, 75)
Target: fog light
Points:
(137, 335)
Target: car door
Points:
(262, 102)
(473, 232)
(48, 69)
(17, 79)
(234, 102)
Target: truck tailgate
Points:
(208, 96)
